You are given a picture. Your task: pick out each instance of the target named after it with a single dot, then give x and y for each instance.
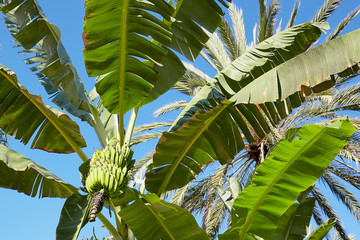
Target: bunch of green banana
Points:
(109, 171)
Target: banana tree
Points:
(134, 61)
(129, 48)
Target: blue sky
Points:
(30, 218)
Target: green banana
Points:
(109, 172)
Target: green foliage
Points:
(54, 68)
(22, 174)
(54, 128)
(149, 218)
(320, 232)
(73, 217)
(289, 170)
(130, 46)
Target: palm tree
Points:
(227, 45)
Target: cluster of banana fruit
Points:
(109, 170)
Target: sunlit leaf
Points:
(24, 175)
(23, 115)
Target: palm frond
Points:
(143, 162)
(343, 24)
(202, 194)
(151, 126)
(262, 9)
(278, 29)
(140, 167)
(170, 107)
(328, 210)
(228, 38)
(179, 195)
(351, 151)
(3, 138)
(237, 19)
(261, 30)
(212, 198)
(144, 138)
(317, 215)
(326, 10)
(209, 61)
(216, 51)
(192, 81)
(255, 33)
(267, 20)
(197, 72)
(336, 236)
(293, 14)
(215, 218)
(273, 11)
(327, 105)
(342, 194)
(347, 174)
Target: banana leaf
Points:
(293, 222)
(24, 175)
(129, 46)
(180, 155)
(23, 114)
(261, 59)
(73, 217)
(48, 57)
(290, 169)
(150, 218)
(320, 232)
(311, 71)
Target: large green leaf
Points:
(188, 37)
(290, 169)
(312, 71)
(180, 155)
(257, 125)
(320, 232)
(127, 43)
(73, 217)
(266, 55)
(41, 40)
(20, 173)
(150, 218)
(293, 222)
(23, 114)
(115, 43)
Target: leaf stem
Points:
(98, 126)
(131, 125)
(109, 226)
(122, 229)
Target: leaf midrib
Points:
(253, 212)
(122, 69)
(161, 222)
